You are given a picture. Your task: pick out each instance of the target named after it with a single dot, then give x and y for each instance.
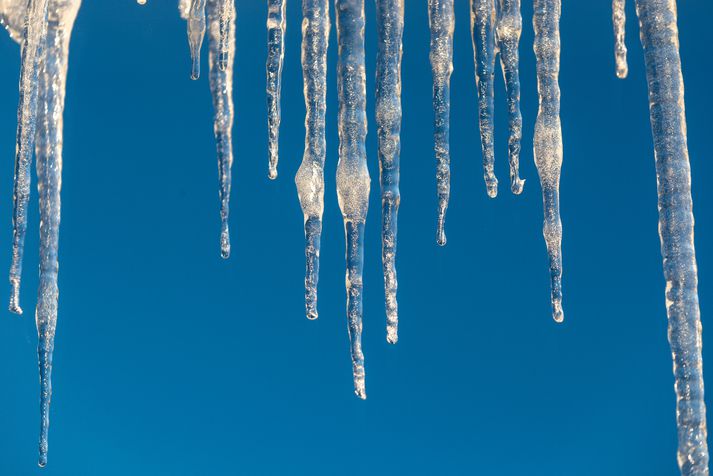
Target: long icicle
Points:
(221, 88)
(34, 34)
(390, 26)
(548, 136)
(310, 175)
(508, 29)
(196, 33)
(619, 21)
(276, 24)
(48, 150)
(659, 38)
(482, 23)
(352, 173)
(441, 19)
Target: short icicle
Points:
(441, 19)
(390, 26)
(548, 137)
(310, 175)
(508, 29)
(196, 33)
(352, 173)
(276, 24)
(659, 38)
(619, 20)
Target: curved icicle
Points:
(221, 88)
(441, 20)
(390, 26)
(310, 175)
(34, 33)
(659, 38)
(548, 136)
(619, 20)
(508, 29)
(196, 32)
(352, 173)
(482, 23)
(276, 24)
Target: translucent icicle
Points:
(441, 20)
(482, 23)
(196, 32)
(34, 34)
(619, 20)
(548, 136)
(48, 149)
(226, 12)
(352, 173)
(310, 175)
(508, 29)
(221, 88)
(276, 24)
(390, 25)
(659, 38)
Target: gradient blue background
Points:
(170, 361)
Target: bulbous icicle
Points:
(390, 26)
(34, 33)
(441, 20)
(48, 149)
(221, 88)
(310, 175)
(659, 38)
(196, 33)
(508, 28)
(276, 24)
(619, 20)
(352, 173)
(548, 136)
(482, 22)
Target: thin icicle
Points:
(441, 20)
(34, 34)
(508, 29)
(482, 23)
(221, 88)
(226, 12)
(548, 136)
(196, 32)
(659, 38)
(619, 20)
(352, 173)
(52, 80)
(310, 175)
(390, 25)
(276, 24)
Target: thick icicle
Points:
(221, 88)
(482, 30)
(619, 20)
(352, 173)
(310, 175)
(390, 25)
(34, 34)
(48, 150)
(548, 136)
(196, 33)
(276, 23)
(441, 20)
(508, 29)
(659, 38)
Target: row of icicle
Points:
(43, 28)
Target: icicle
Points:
(483, 35)
(619, 20)
(276, 24)
(310, 175)
(390, 25)
(659, 38)
(507, 34)
(52, 80)
(548, 136)
(352, 173)
(196, 32)
(226, 9)
(34, 34)
(221, 88)
(441, 20)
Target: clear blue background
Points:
(170, 361)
